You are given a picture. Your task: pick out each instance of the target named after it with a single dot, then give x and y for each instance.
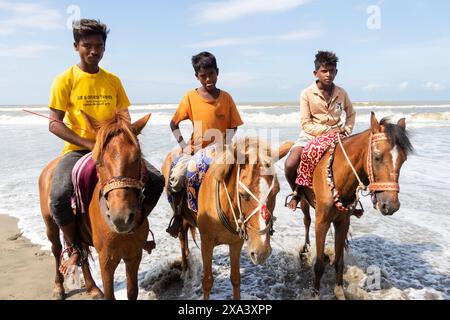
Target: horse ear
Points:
(374, 125)
(93, 124)
(402, 123)
(140, 124)
(282, 151)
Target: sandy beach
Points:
(27, 272)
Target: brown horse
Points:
(376, 155)
(114, 225)
(235, 203)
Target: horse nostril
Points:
(108, 216)
(131, 218)
(253, 255)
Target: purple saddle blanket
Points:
(84, 179)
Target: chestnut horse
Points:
(114, 226)
(235, 204)
(376, 156)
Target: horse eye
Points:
(245, 196)
(378, 157)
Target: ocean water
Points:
(405, 256)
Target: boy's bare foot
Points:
(293, 204)
(67, 266)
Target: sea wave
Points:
(259, 118)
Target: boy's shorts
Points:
(301, 141)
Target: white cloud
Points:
(20, 15)
(24, 51)
(434, 86)
(301, 35)
(404, 85)
(292, 36)
(229, 10)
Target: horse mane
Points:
(243, 150)
(119, 123)
(397, 135)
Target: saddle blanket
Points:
(312, 153)
(196, 170)
(84, 179)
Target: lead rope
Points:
(361, 186)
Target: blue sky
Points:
(265, 48)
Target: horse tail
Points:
(193, 229)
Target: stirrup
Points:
(171, 227)
(294, 195)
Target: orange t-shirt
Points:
(209, 118)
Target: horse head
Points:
(388, 150)
(120, 169)
(250, 178)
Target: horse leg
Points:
(107, 267)
(52, 230)
(132, 267)
(184, 246)
(207, 247)
(91, 287)
(321, 233)
(307, 222)
(341, 229)
(235, 273)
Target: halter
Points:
(241, 223)
(121, 182)
(378, 186)
(373, 186)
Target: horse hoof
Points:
(305, 248)
(96, 294)
(315, 294)
(58, 295)
(339, 293)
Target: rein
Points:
(241, 223)
(373, 186)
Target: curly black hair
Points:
(325, 58)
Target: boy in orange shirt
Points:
(212, 112)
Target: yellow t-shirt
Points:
(99, 95)
(220, 114)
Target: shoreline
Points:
(26, 271)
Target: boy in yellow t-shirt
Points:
(89, 88)
(214, 116)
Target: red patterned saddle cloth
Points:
(312, 153)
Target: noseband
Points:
(241, 223)
(121, 182)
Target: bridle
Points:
(374, 186)
(241, 223)
(121, 182)
(378, 186)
